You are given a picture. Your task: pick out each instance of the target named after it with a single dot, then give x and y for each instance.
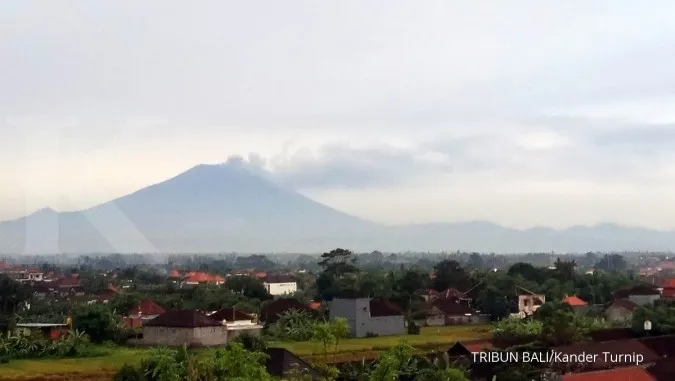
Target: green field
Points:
(89, 368)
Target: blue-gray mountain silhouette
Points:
(229, 207)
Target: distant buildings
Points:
(280, 285)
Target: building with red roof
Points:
(195, 278)
(574, 301)
(143, 312)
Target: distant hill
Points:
(225, 208)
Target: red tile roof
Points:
(670, 283)
(230, 314)
(174, 274)
(574, 301)
(183, 319)
(621, 374)
(147, 307)
(68, 281)
(199, 277)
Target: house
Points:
(528, 304)
(236, 322)
(467, 348)
(282, 363)
(621, 374)
(69, 286)
(621, 310)
(195, 278)
(453, 312)
(280, 284)
(48, 330)
(641, 294)
(575, 302)
(142, 313)
(663, 370)
(668, 289)
(108, 294)
(366, 316)
(184, 327)
(609, 334)
(270, 312)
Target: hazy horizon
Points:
(522, 114)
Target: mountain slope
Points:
(224, 208)
(209, 208)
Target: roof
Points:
(183, 319)
(147, 307)
(451, 293)
(574, 301)
(279, 279)
(621, 374)
(40, 325)
(379, 308)
(663, 346)
(69, 281)
(663, 370)
(640, 289)
(174, 274)
(613, 347)
(448, 307)
(668, 292)
(625, 304)
(609, 334)
(230, 314)
(270, 312)
(280, 362)
(199, 277)
(670, 283)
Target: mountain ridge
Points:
(229, 208)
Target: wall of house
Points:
(385, 326)
(281, 288)
(356, 311)
(643, 300)
(203, 336)
(435, 321)
(618, 314)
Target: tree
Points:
(338, 262)
(527, 271)
(97, 321)
(476, 261)
(248, 286)
(564, 270)
(611, 262)
(12, 295)
(450, 274)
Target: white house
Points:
(236, 322)
(366, 316)
(280, 284)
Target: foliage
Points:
(562, 325)
(450, 274)
(98, 321)
(330, 333)
(248, 286)
(661, 316)
(517, 329)
(611, 262)
(295, 325)
(163, 364)
(75, 344)
(250, 342)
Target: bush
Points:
(129, 373)
(371, 334)
(251, 342)
(413, 329)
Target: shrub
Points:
(371, 334)
(251, 342)
(413, 329)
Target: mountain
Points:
(225, 208)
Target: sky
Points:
(524, 113)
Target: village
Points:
(203, 309)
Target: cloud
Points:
(336, 166)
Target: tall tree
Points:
(450, 274)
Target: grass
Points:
(429, 337)
(104, 366)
